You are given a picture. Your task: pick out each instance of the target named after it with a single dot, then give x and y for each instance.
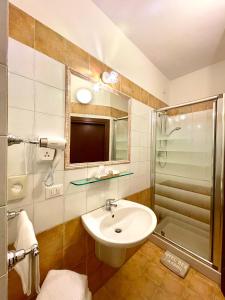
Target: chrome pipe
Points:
(191, 103)
(15, 140)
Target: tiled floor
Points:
(143, 277)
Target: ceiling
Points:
(178, 36)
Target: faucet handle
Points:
(109, 201)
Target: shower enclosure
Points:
(188, 181)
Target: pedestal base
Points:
(114, 257)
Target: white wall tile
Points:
(4, 100)
(124, 186)
(49, 71)
(45, 95)
(49, 100)
(20, 59)
(143, 139)
(135, 154)
(4, 287)
(136, 123)
(12, 224)
(48, 214)
(39, 187)
(95, 196)
(75, 205)
(139, 109)
(28, 199)
(135, 138)
(111, 189)
(143, 154)
(49, 126)
(21, 122)
(73, 175)
(4, 34)
(16, 159)
(3, 170)
(20, 92)
(3, 240)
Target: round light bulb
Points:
(84, 95)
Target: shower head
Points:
(176, 128)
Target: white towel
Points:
(25, 240)
(64, 284)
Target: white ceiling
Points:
(178, 36)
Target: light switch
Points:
(53, 191)
(17, 187)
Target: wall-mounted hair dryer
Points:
(53, 143)
(59, 145)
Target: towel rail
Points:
(12, 214)
(15, 256)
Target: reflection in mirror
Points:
(97, 123)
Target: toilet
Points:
(66, 285)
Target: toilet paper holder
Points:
(15, 256)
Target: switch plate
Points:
(17, 187)
(46, 153)
(53, 191)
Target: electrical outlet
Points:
(53, 191)
(46, 153)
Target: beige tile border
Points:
(31, 32)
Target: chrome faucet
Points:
(109, 204)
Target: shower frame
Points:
(216, 226)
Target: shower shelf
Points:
(184, 164)
(173, 139)
(93, 179)
(183, 151)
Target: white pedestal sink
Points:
(131, 225)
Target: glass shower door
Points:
(184, 176)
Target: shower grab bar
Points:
(15, 256)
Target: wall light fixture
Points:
(110, 77)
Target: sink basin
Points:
(131, 225)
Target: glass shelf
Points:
(93, 179)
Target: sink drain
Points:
(118, 230)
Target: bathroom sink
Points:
(128, 225)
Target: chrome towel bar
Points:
(15, 256)
(12, 214)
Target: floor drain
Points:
(118, 230)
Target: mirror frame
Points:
(67, 165)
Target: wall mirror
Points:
(97, 123)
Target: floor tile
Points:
(143, 277)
